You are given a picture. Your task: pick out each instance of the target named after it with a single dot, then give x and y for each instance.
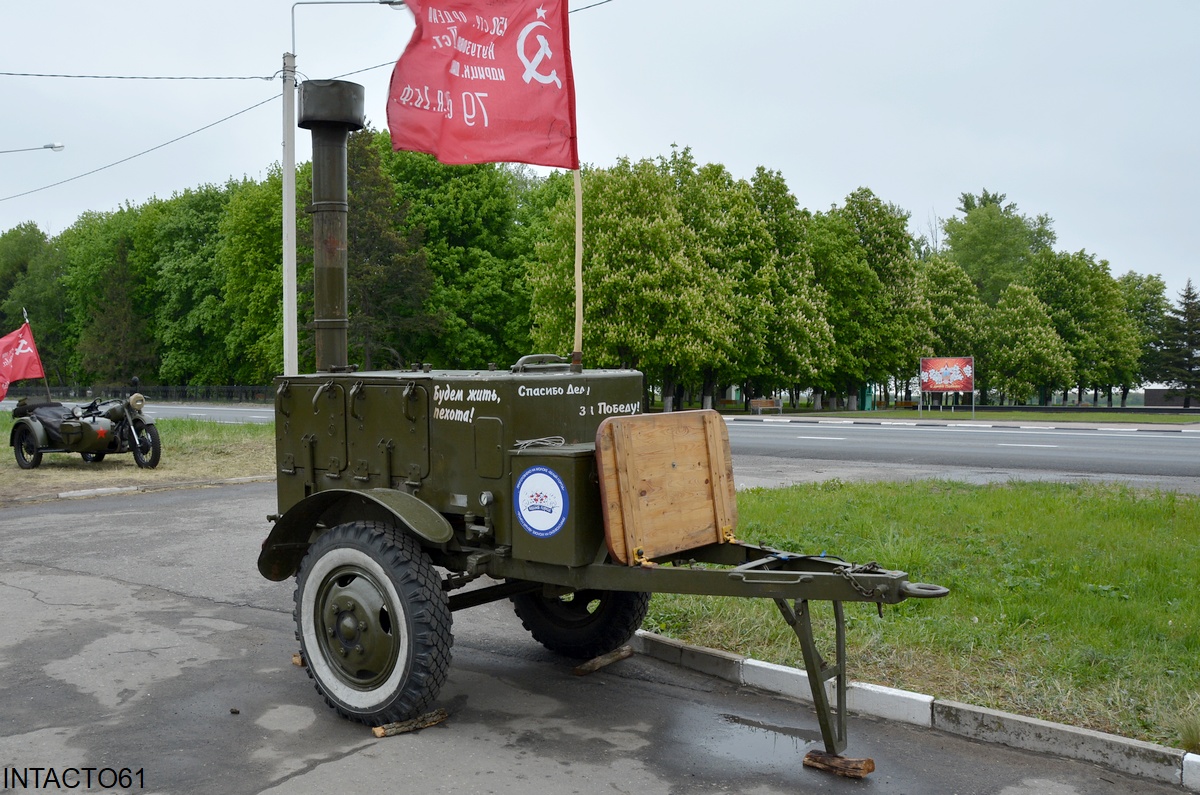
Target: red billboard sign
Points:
(948, 374)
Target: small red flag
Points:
(18, 358)
(486, 82)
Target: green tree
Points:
(39, 291)
(109, 283)
(1025, 355)
(1088, 312)
(19, 247)
(958, 316)
(388, 282)
(646, 292)
(883, 234)
(1183, 345)
(192, 319)
(799, 340)
(863, 258)
(249, 253)
(732, 241)
(1146, 304)
(855, 307)
(537, 203)
(1117, 335)
(993, 242)
(536, 200)
(467, 216)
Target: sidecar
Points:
(51, 427)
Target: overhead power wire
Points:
(139, 77)
(367, 69)
(193, 132)
(174, 140)
(585, 8)
(139, 154)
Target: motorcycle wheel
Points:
(148, 450)
(93, 458)
(25, 448)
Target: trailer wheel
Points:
(25, 447)
(373, 622)
(582, 624)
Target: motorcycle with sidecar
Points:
(94, 430)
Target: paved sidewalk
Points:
(1133, 757)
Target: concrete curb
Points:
(145, 487)
(186, 484)
(1132, 757)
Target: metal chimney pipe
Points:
(331, 109)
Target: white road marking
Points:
(1002, 444)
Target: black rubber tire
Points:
(148, 451)
(25, 448)
(373, 623)
(583, 624)
(93, 458)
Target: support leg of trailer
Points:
(831, 716)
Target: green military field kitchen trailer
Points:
(405, 495)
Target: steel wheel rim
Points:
(145, 443)
(27, 444)
(358, 628)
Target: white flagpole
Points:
(45, 380)
(577, 355)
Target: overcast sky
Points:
(1085, 111)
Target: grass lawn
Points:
(1075, 604)
(193, 451)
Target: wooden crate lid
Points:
(666, 483)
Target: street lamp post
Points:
(290, 344)
(51, 147)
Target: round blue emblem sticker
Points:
(541, 501)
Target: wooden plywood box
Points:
(666, 483)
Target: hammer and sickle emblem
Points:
(531, 66)
(22, 347)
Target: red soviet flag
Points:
(18, 358)
(486, 81)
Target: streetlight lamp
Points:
(290, 345)
(51, 147)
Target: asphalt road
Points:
(137, 635)
(945, 444)
(1168, 452)
(941, 443)
(212, 412)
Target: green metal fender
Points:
(284, 548)
(39, 432)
